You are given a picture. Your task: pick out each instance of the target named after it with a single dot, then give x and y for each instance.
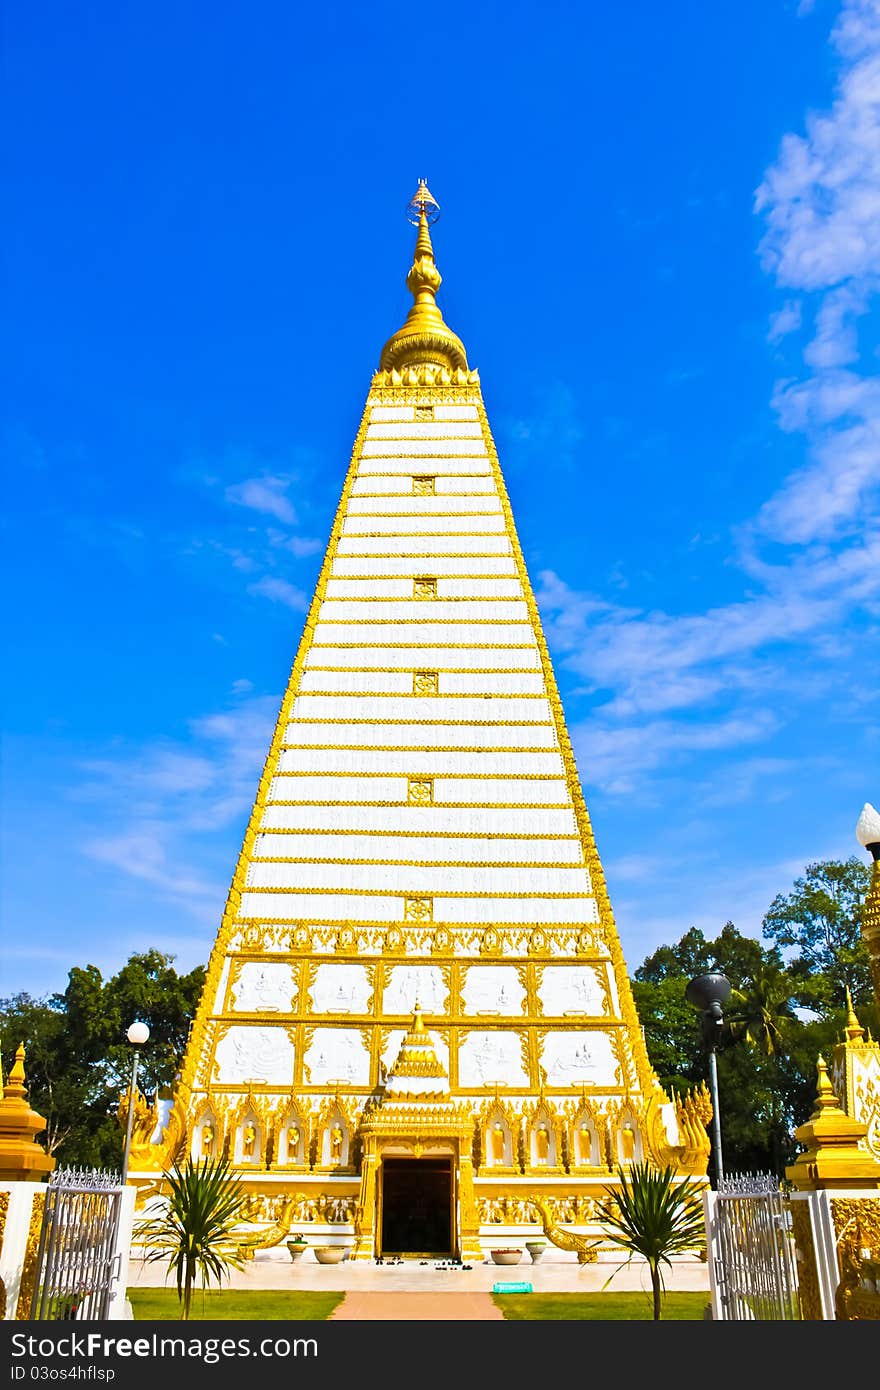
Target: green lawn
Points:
(280, 1305)
(234, 1305)
(599, 1307)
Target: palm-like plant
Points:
(194, 1232)
(762, 1013)
(654, 1217)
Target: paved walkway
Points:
(419, 1307)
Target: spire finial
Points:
(422, 204)
(15, 1087)
(825, 1097)
(854, 1030)
(424, 340)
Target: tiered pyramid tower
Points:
(420, 858)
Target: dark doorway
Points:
(417, 1206)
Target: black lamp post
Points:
(708, 994)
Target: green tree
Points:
(763, 1060)
(819, 924)
(653, 1216)
(194, 1231)
(77, 1058)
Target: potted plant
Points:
(536, 1248)
(507, 1255)
(296, 1245)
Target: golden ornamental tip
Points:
(854, 1029)
(424, 340)
(422, 204)
(15, 1082)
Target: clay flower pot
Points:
(329, 1254)
(296, 1248)
(509, 1255)
(536, 1249)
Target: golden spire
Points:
(424, 338)
(21, 1157)
(15, 1088)
(417, 1057)
(854, 1030)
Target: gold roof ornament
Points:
(422, 201)
(424, 339)
(416, 1059)
(22, 1159)
(836, 1154)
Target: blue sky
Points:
(660, 242)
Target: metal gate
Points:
(77, 1262)
(752, 1248)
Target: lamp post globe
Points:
(138, 1034)
(708, 994)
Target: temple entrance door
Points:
(417, 1207)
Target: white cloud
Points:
(161, 799)
(786, 320)
(267, 494)
(820, 201)
(281, 591)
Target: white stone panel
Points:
(391, 412)
(456, 412)
(544, 772)
(389, 708)
(448, 587)
(567, 989)
(438, 658)
(417, 448)
(429, 429)
(576, 1058)
(427, 507)
(520, 911)
(435, 849)
(337, 1054)
(397, 485)
(492, 634)
(327, 789)
(406, 467)
(492, 589)
(441, 1047)
(420, 611)
(317, 682)
(291, 906)
(492, 989)
(381, 485)
(254, 1053)
(411, 984)
(489, 565)
(264, 987)
(418, 736)
(485, 522)
(487, 1058)
(341, 989)
(468, 485)
(421, 880)
(369, 588)
(419, 820)
(377, 548)
(488, 683)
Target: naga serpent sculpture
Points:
(247, 1246)
(583, 1246)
